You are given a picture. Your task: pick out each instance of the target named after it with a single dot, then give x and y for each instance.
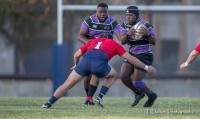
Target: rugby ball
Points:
(137, 28)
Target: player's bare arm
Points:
(193, 55)
(77, 56)
(81, 35)
(131, 32)
(145, 32)
(122, 38)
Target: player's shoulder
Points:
(113, 42)
(125, 23)
(91, 18)
(147, 24)
(198, 45)
(110, 18)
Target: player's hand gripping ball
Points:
(140, 30)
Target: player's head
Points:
(132, 14)
(102, 11)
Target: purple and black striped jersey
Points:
(142, 45)
(99, 30)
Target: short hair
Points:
(102, 5)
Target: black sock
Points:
(151, 94)
(137, 92)
(92, 90)
(86, 90)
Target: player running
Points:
(95, 56)
(141, 41)
(99, 25)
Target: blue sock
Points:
(52, 100)
(103, 91)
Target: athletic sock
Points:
(103, 91)
(90, 98)
(150, 95)
(92, 90)
(52, 100)
(86, 90)
(138, 92)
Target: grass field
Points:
(115, 108)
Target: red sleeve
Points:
(197, 48)
(120, 49)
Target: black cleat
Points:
(89, 103)
(99, 101)
(151, 100)
(46, 105)
(138, 97)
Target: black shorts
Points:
(146, 58)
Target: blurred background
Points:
(28, 38)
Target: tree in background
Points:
(27, 24)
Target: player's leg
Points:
(140, 85)
(127, 70)
(86, 83)
(138, 76)
(94, 82)
(69, 83)
(125, 75)
(105, 87)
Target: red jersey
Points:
(197, 48)
(109, 46)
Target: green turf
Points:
(115, 108)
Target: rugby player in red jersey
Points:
(193, 55)
(95, 56)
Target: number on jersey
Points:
(98, 45)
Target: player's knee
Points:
(139, 84)
(124, 77)
(112, 73)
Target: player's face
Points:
(130, 18)
(102, 13)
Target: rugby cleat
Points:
(46, 105)
(89, 103)
(151, 99)
(99, 101)
(138, 97)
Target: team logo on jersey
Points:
(94, 26)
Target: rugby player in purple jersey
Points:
(97, 26)
(142, 48)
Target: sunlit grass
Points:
(115, 108)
